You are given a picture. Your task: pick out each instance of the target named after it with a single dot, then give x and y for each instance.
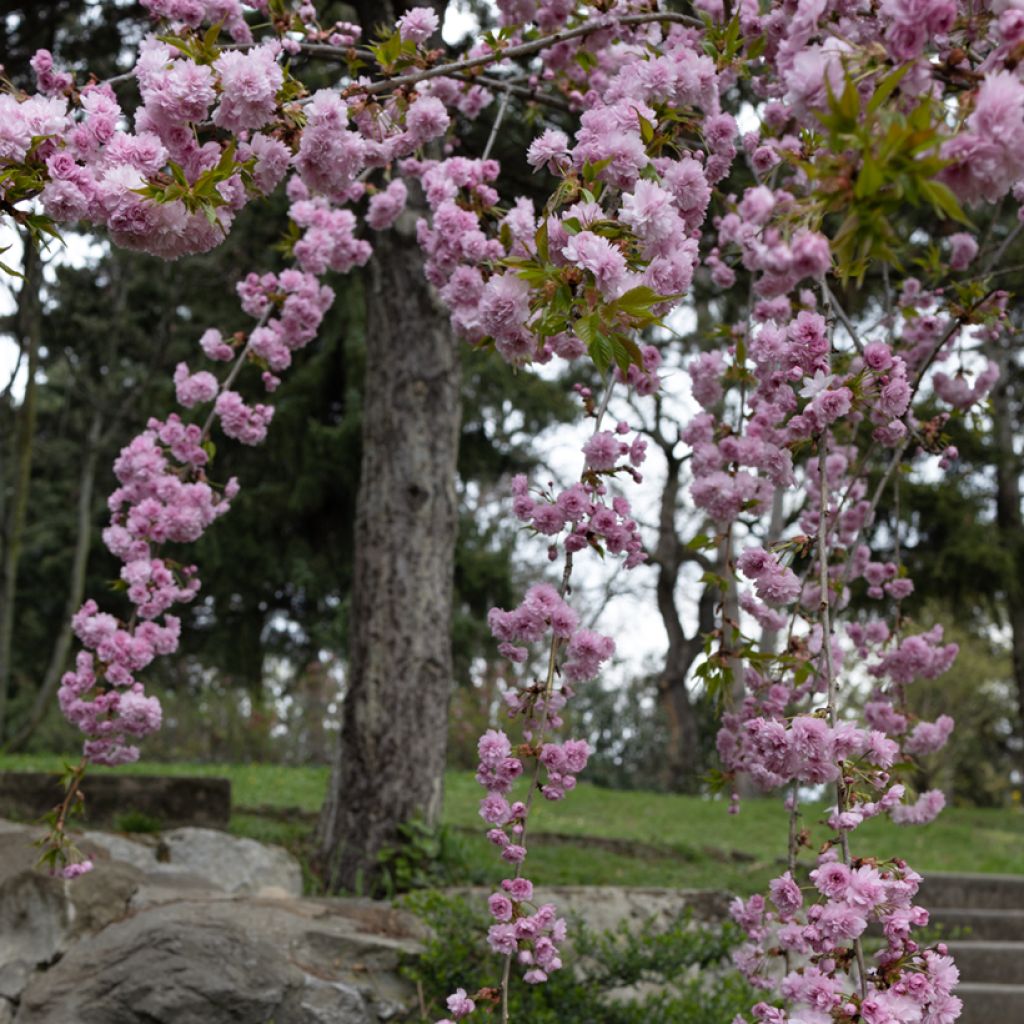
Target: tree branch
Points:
(522, 50)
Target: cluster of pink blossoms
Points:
(98, 171)
(846, 899)
(195, 13)
(532, 936)
(165, 497)
(583, 509)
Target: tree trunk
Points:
(390, 764)
(1011, 522)
(389, 767)
(30, 329)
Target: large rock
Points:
(168, 931)
(41, 916)
(208, 858)
(229, 961)
(169, 800)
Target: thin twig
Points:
(502, 107)
(833, 304)
(994, 259)
(794, 815)
(128, 76)
(236, 369)
(8, 388)
(603, 407)
(897, 454)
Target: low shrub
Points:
(679, 975)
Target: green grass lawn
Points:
(649, 838)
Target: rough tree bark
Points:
(1010, 519)
(390, 764)
(390, 761)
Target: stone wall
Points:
(169, 801)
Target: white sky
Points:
(458, 22)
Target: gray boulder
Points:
(41, 916)
(207, 858)
(191, 926)
(229, 961)
(232, 863)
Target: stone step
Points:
(991, 1004)
(981, 892)
(978, 925)
(990, 962)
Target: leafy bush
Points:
(688, 963)
(424, 857)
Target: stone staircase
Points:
(982, 922)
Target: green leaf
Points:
(550, 324)
(387, 51)
(585, 59)
(712, 578)
(210, 52)
(592, 170)
(732, 35)
(586, 328)
(869, 180)
(849, 101)
(646, 130)
(943, 200)
(601, 351)
(625, 352)
(178, 44)
(541, 239)
(532, 274)
(637, 302)
(886, 86)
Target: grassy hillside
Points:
(608, 837)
